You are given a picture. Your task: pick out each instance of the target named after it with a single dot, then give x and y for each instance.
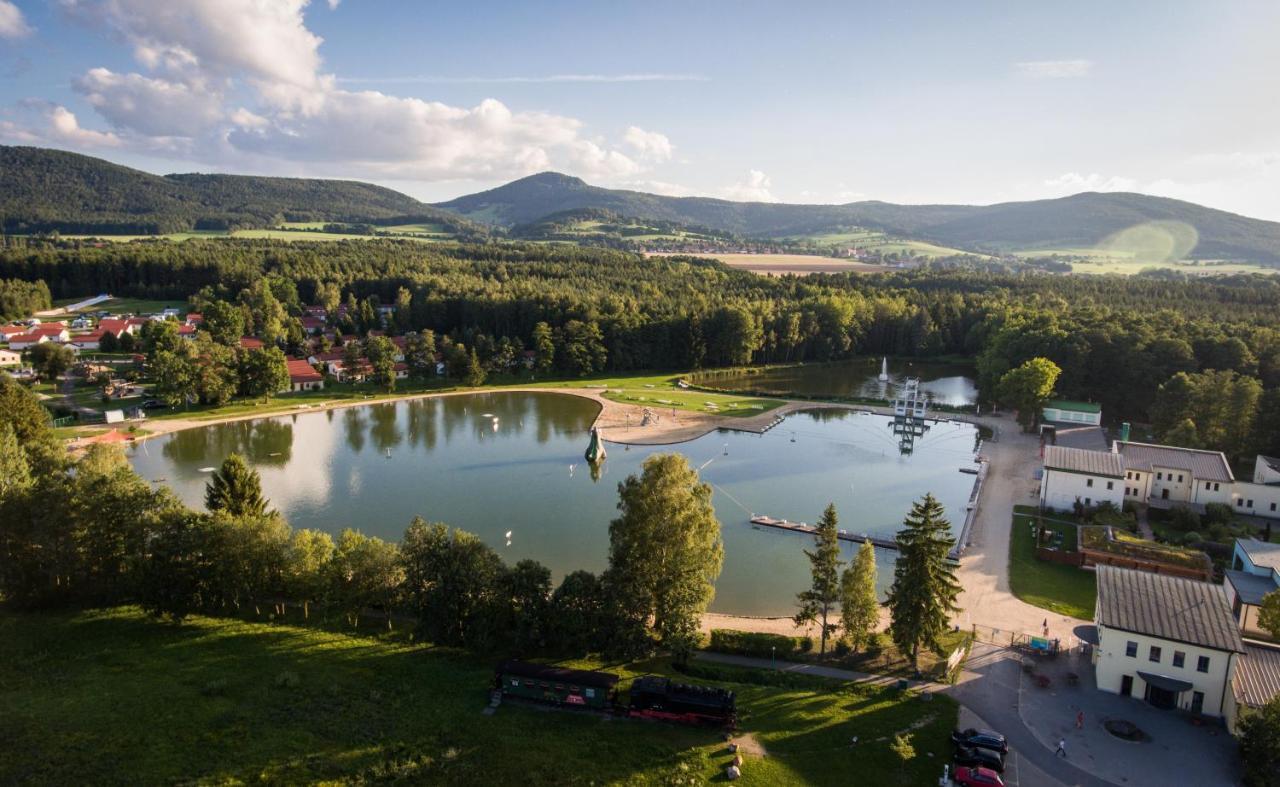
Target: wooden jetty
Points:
(843, 535)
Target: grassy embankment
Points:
(1064, 589)
(642, 389)
(113, 696)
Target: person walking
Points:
(1062, 748)
(1080, 720)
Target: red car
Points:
(977, 777)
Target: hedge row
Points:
(748, 643)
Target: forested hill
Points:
(1081, 220)
(42, 190)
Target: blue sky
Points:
(971, 102)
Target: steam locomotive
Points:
(651, 696)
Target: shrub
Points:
(1218, 513)
(1183, 518)
(902, 746)
(1190, 537)
(750, 643)
(717, 673)
(842, 647)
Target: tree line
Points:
(1115, 339)
(90, 531)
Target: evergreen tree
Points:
(236, 489)
(475, 374)
(817, 603)
(859, 604)
(544, 346)
(15, 471)
(924, 590)
(665, 551)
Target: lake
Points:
(948, 384)
(497, 462)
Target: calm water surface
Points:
(948, 384)
(498, 462)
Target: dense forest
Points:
(51, 190)
(1075, 221)
(21, 298)
(1117, 340)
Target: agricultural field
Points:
(90, 697)
(780, 264)
(881, 243)
(126, 305)
(1127, 263)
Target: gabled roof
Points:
(28, 338)
(1068, 404)
(1204, 465)
(1167, 607)
(1260, 552)
(302, 372)
(250, 343)
(1257, 677)
(1080, 460)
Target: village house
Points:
(250, 343)
(1254, 572)
(1157, 475)
(10, 358)
(87, 341)
(1167, 640)
(303, 376)
(25, 341)
(1078, 474)
(9, 331)
(56, 331)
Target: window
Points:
(1202, 665)
(1273, 506)
(1239, 503)
(1131, 649)
(1088, 501)
(1249, 504)
(1206, 484)
(1154, 655)
(1159, 476)
(1179, 658)
(1215, 487)
(1179, 478)
(1111, 485)
(1088, 482)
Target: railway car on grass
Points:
(557, 685)
(652, 697)
(661, 698)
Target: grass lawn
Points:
(1064, 589)
(885, 659)
(113, 696)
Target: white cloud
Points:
(1075, 182)
(65, 127)
(437, 79)
(12, 23)
(648, 145)
(755, 188)
(152, 107)
(264, 40)
(1054, 69)
(236, 81)
(52, 124)
(662, 187)
(333, 4)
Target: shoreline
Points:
(617, 422)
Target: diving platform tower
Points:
(908, 415)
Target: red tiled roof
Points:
(113, 325)
(186, 330)
(326, 357)
(399, 341)
(401, 367)
(12, 330)
(311, 323)
(194, 317)
(52, 329)
(250, 343)
(302, 372)
(29, 338)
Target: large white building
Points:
(1158, 475)
(1167, 640)
(1091, 477)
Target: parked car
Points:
(977, 757)
(977, 777)
(982, 739)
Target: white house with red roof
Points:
(303, 376)
(115, 326)
(25, 341)
(9, 331)
(187, 331)
(56, 331)
(87, 341)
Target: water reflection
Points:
(447, 463)
(948, 384)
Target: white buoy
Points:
(508, 535)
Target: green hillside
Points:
(44, 190)
(1149, 227)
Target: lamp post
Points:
(773, 656)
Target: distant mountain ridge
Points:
(1080, 220)
(43, 189)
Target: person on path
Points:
(1080, 720)
(1062, 748)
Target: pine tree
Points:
(817, 603)
(235, 489)
(925, 589)
(859, 604)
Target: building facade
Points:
(1166, 640)
(1077, 474)
(1065, 411)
